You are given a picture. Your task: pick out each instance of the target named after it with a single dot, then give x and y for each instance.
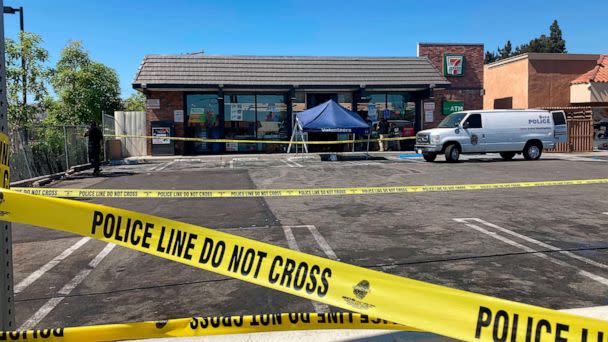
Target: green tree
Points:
(557, 44)
(85, 88)
(37, 75)
(136, 102)
(505, 52)
(554, 43)
(489, 57)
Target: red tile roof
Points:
(597, 74)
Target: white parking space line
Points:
(291, 240)
(294, 162)
(66, 290)
(586, 274)
(408, 160)
(322, 242)
(286, 163)
(363, 163)
(164, 166)
(153, 168)
(161, 166)
(234, 160)
(542, 244)
(293, 244)
(49, 265)
(291, 163)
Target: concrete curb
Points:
(44, 180)
(294, 156)
(261, 156)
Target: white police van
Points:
(507, 132)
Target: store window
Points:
(400, 108)
(203, 121)
(239, 121)
(393, 106)
(261, 117)
(376, 106)
(345, 99)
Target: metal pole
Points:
(65, 148)
(7, 306)
(23, 69)
(103, 134)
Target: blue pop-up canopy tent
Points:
(328, 117)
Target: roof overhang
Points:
(285, 88)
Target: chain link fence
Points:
(44, 150)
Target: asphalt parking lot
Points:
(546, 246)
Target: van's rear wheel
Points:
(507, 155)
(429, 157)
(452, 153)
(533, 151)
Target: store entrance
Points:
(315, 99)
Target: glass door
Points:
(204, 122)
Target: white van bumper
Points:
(427, 148)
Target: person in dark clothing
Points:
(383, 128)
(95, 139)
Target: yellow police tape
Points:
(428, 307)
(374, 190)
(5, 152)
(252, 141)
(206, 326)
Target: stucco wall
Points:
(589, 93)
(579, 93)
(506, 80)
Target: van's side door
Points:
(476, 134)
(560, 126)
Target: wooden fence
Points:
(580, 130)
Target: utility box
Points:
(113, 149)
(161, 132)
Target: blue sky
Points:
(120, 32)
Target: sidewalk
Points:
(314, 156)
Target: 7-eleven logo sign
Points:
(453, 65)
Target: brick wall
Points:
(169, 101)
(468, 87)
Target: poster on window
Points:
(429, 110)
(372, 112)
(236, 112)
(159, 134)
